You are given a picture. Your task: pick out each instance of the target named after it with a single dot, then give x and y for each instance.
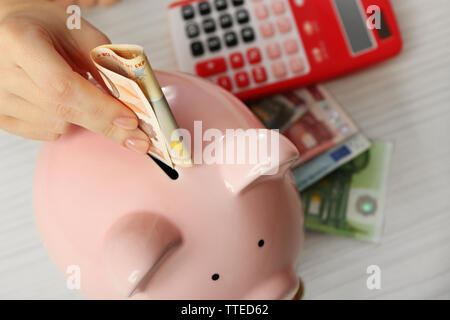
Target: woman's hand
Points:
(43, 87)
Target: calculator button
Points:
(211, 67)
(209, 25)
(192, 30)
(259, 74)
(296, 64)
(237, 60)
(242, 16)
(267, 29)
(242, 79)
(254, 55)
(225, 82)
(204, 8)
(290, 46)
(261, 12)
(187, 12)
(220, 4)
(248, 34)
(197, 48)
(317, 54)
(279, 69)
(214, 44)
(308, 28)
(273, 50)
(278, 7)
(231, 39)
(284, 24)
(238, 2)
(226, 21)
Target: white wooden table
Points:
(405, 100)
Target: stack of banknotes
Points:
(341, 174)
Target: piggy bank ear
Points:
(135, 246)
(268, 156)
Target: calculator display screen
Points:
(351, 16)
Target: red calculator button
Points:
(261, 12)
(279, 69)
(237, 60)
(273, 50)
(284, 24)
(267, 29)
(225, 82)
(259, 74)
(278, 7)
(242, 79)
(254, 55)
(290, 46)
(211, 67)
(296, 64)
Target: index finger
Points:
(39, 58)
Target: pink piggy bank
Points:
(113, 221)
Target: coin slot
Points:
(171, 173)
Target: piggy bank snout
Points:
(282, 285)
(134, 246)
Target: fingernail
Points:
(137, 145)
(126, 123)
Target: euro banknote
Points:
(310, 117)
(350, 201)
(313, 170)
(128, 75)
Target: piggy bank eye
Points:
(215, 276)
(261, 243)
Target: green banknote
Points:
(350, 201)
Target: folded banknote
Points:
(313, 170)
(128, 75)
(351, 200)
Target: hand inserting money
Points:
(43, 88)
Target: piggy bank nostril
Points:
(215, 276)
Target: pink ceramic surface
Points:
(135, 233)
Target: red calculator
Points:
(256, 48)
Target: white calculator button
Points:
(290, 46)
(297, 65)
(284, 24)
(278, 7)
(261, 11)
(279, 69)
(273, 50)
(267, 29)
